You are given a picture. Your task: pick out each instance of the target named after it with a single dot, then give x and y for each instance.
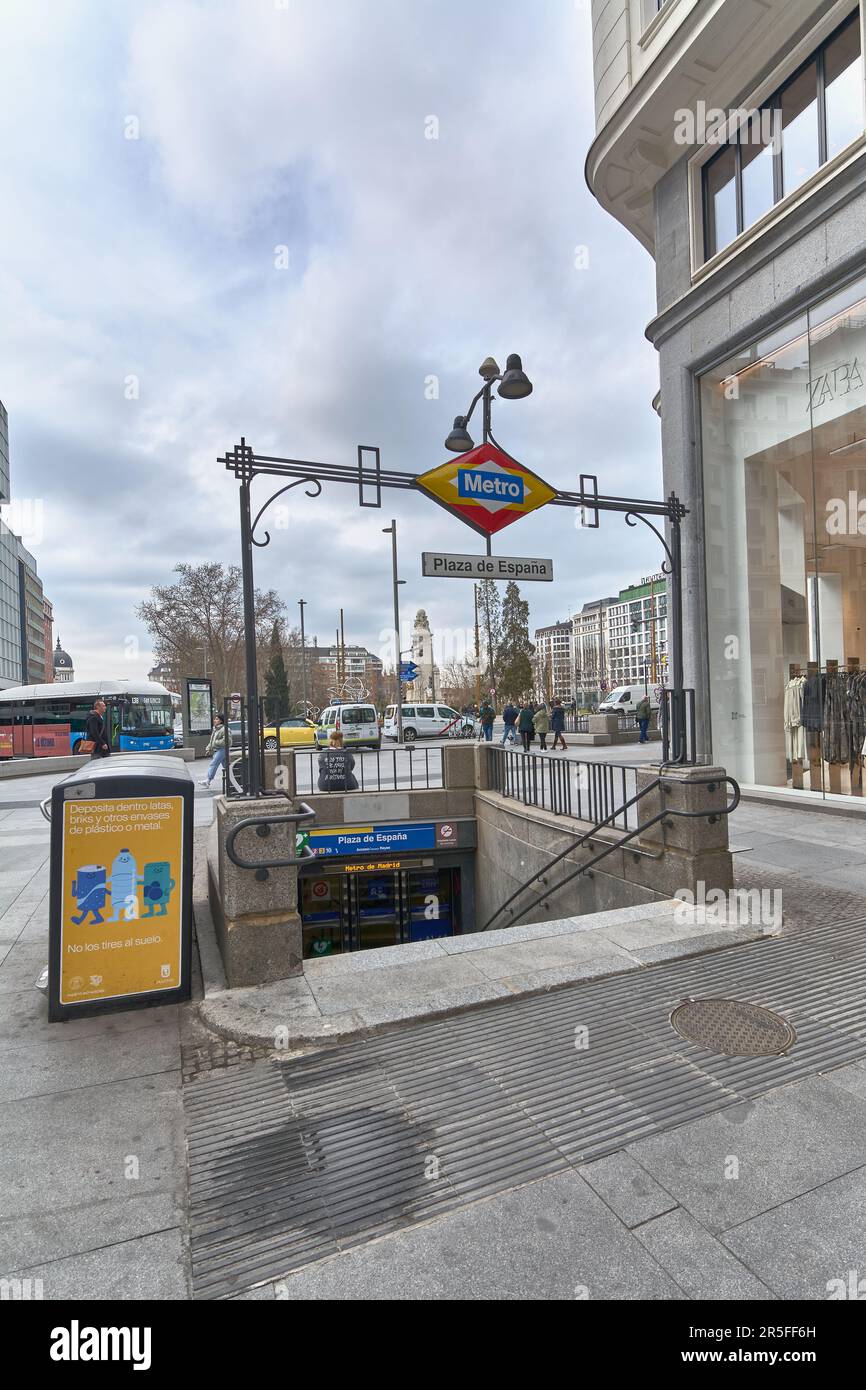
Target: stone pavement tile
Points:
(64, 1161)
(36, 1066)
(635, 935)
(375, 1014)
(549, 1240)
(702, 1266)
(151, 1267)
(21, 965)
(592, 969)
(780, 1145)
(794, 854)
(265, 1293)
(851, 1078)
(351, 962)
(849, 877)
(342, 993)
(800, 1248)
(24, 1019)
(555, 953)
(505, 936)
(712, 941)
(629, 1191)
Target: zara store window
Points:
(783, 430)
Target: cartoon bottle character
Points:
(158, 884)
(89, 891)
(124, 882)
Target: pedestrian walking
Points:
(336, 767)
(557, 724)
(541, 725)
(509, 716)
(217, 747)
(97, 741)
(642, 715)
(486, 715)
(525, 726)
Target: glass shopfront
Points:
(784, 459)
(358, 907)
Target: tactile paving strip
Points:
(290, 1162)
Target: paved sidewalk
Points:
(93, 1176)
(815, 860)
(92, 1151)
(762, 1201)
(344, 996)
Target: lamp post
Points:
(302, 603)
(514, 384)
(392, 532)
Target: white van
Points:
(359, 725)
(420, 721)
(625, 700)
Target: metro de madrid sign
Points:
(486, 489)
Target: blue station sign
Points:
(374, 839)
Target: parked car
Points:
(292, 732)
(359, 725)
(420, 721)
(625, 700)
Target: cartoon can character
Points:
(124, 882)
(89, 891)
(158, 884)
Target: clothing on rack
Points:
(795, 734)
(837, 729)
(856, 715)
(813, 702)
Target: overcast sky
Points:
(152, 267)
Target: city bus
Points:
(40, 721)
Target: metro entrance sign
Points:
(486, 488)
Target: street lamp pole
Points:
(254, 769)
(392, 532)
(302, 603)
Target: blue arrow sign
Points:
(408, 671)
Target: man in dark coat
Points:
(97, 730)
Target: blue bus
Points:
(50, 720)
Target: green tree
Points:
(490, 624)
(276, 679)
(515, 648)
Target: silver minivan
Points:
(420, 721)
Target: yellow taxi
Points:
(292, 732)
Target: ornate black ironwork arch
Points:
(247, 465)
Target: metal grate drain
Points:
(291, 1162)
(734, 1028)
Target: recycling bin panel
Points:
(121, 885)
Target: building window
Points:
(810, 119)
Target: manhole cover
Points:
(733, 1028)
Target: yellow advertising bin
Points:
(121, 885)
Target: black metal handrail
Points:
(665, 785)
(264, 826)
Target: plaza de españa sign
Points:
(486, 489)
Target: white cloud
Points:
(407, 257)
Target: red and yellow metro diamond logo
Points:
(486, 488)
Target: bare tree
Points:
(197, 624)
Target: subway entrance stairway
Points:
(292, 1161)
